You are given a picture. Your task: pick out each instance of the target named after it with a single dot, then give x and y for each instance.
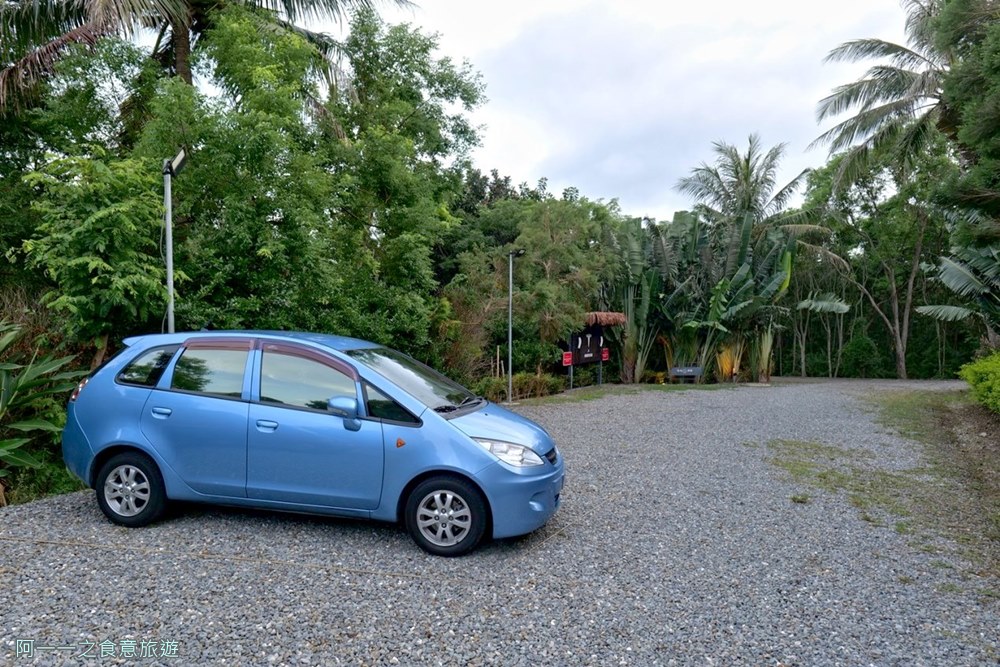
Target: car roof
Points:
(339, 343)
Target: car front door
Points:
(298, 451)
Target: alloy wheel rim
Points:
(444, 518)
(126, 490)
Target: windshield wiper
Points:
(468, 400)
(471, 400)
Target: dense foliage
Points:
(328, 187)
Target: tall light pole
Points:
(170, 168)
(510, 321)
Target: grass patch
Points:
(593, 393)
(961, 446)
(949, 588)
(954, 493)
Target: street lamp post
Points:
(170, 168)
(510, 321)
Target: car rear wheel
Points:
(446, 516)
(130, 490)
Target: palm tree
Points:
(740, 184)
(752, 242)
(899, 103)
(35, 33)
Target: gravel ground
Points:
(676, 544)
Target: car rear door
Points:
(196, 418)
(298, 451)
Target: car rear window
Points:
(208, 371)
(146, 369)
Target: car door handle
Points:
(162, 413)
(267, 425)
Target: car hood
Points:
(497, 423)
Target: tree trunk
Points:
(840, 346)
(102, 349)
(801, 335)
(900, 360)
(182, 49)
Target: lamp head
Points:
(173, 167)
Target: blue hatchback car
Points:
(307, 423)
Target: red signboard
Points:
(567, 358)
(605, 354)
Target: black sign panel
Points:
(586, 345)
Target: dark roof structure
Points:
(605, 319)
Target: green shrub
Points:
(984, 378)
(556, 384)
(861, 359)
(583, 376)
(492, 388)
(524, 385)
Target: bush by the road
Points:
(984, 378)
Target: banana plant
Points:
(973, 274)
(633, 293)
(22, 386)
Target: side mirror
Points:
(347, 409)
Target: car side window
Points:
(294, 381)
(146, 369)
(381, 406)
(209, 371)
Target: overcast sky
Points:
(623, 98)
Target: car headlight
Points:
(516, 455)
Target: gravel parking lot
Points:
(677, 543)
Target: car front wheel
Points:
(446, 516)
(130, 490)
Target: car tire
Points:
(446, 516)
(130, 490)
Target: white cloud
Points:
(621, 99)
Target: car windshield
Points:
(422, 382)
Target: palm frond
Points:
(126, 16)
(960, 278)
(797, 230)
(883, 84)
(32, 68)
(780, 199)
(27, 24)
(867, 123)
(330, 51)
(920, 21)
(827, 254)
(870, 49)
(946, 313)
(319, 10)
(824, 303)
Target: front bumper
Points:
(522, 501)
